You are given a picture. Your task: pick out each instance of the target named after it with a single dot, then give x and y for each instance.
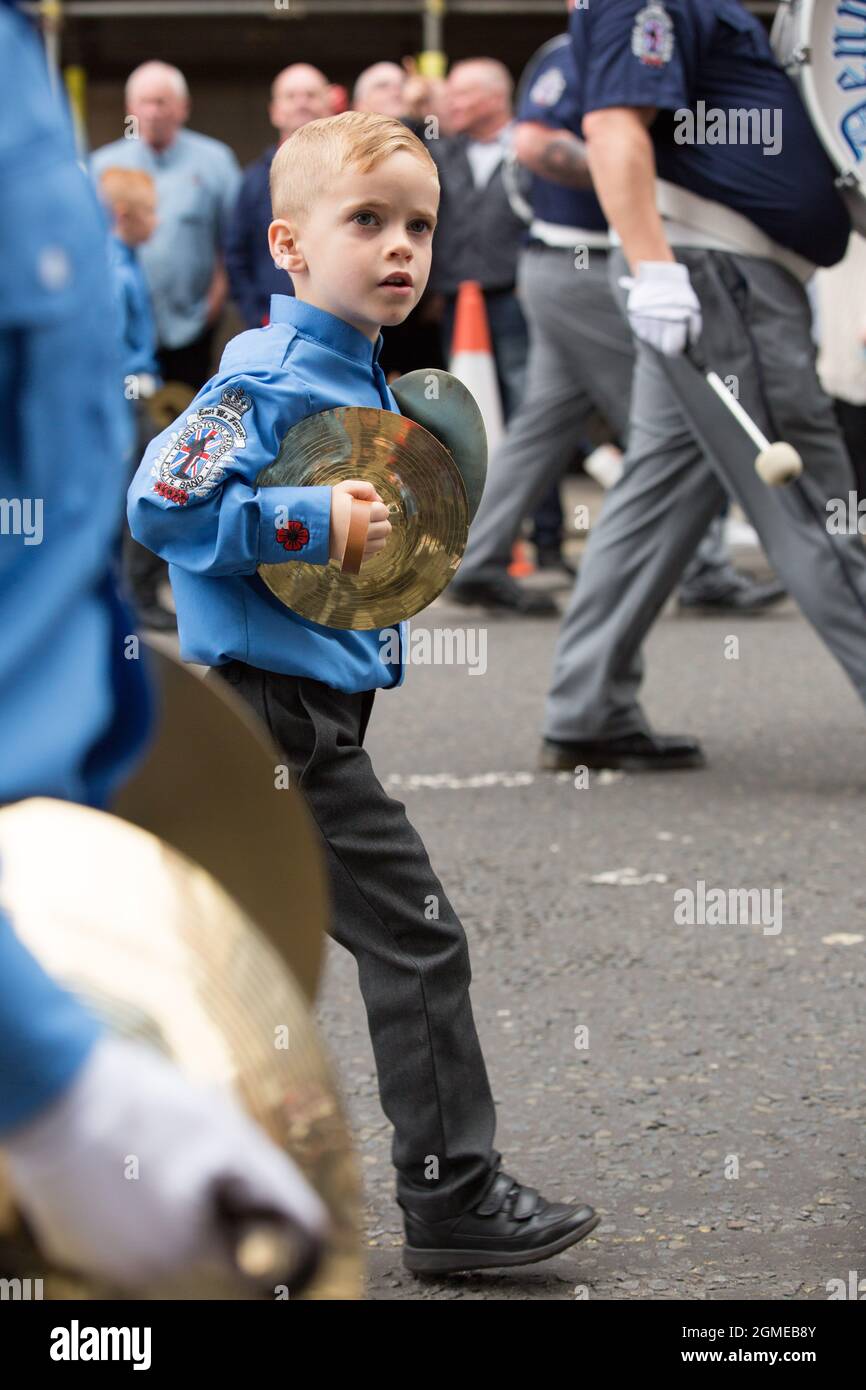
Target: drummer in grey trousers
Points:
(712, 257)
(581, 360)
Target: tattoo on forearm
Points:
(564, 158)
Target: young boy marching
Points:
(354, 203)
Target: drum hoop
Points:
(811, 99)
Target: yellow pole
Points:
(432, 61)
(75, 79)
(51, 18)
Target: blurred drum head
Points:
(152, 944)
(809, 45)
(420, 483)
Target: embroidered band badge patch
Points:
(190, 464)
(548, 88)
(652, 38)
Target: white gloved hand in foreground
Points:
(131, 1110)
(662, 307)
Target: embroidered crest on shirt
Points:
(548, 88)
(190, 464)
(652, 38)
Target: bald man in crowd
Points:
(380, 89)
(197, 181)
(479, 236)
(299, 94)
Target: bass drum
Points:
(822, 47)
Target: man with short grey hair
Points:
(197, 181)
(380, 89)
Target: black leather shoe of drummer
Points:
(502, 594)
(630, 753)
(511, 1225)
(550, 557)
(746, 597)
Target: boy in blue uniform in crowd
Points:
(354, 200)
(129, 196)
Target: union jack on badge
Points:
(190, 464)
(652, 38)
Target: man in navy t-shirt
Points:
(581, 360)
(723, 202)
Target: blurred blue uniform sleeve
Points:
(194, 499)
(630, 53)
(72, 711)
(549, 93)
(45, 1034)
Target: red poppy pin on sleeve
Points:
(293, 535)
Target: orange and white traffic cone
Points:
(472, 360)
(521, 566)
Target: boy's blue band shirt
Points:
(194, 499)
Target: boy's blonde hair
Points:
(320, 151)
(125, 186)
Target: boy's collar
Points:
(327, 329)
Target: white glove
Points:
(128, 1110)
(662, 307)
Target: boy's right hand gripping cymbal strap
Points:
(359, 524)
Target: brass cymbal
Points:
(418, 480)
(443, 405)
(213, 784)
(154, 946)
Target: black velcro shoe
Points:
(502, 594)
(511, 1225)
(631, 753)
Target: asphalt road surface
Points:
(713, 1108)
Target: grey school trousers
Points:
(390, 910)
(684, 454)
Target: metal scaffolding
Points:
(302, 9)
